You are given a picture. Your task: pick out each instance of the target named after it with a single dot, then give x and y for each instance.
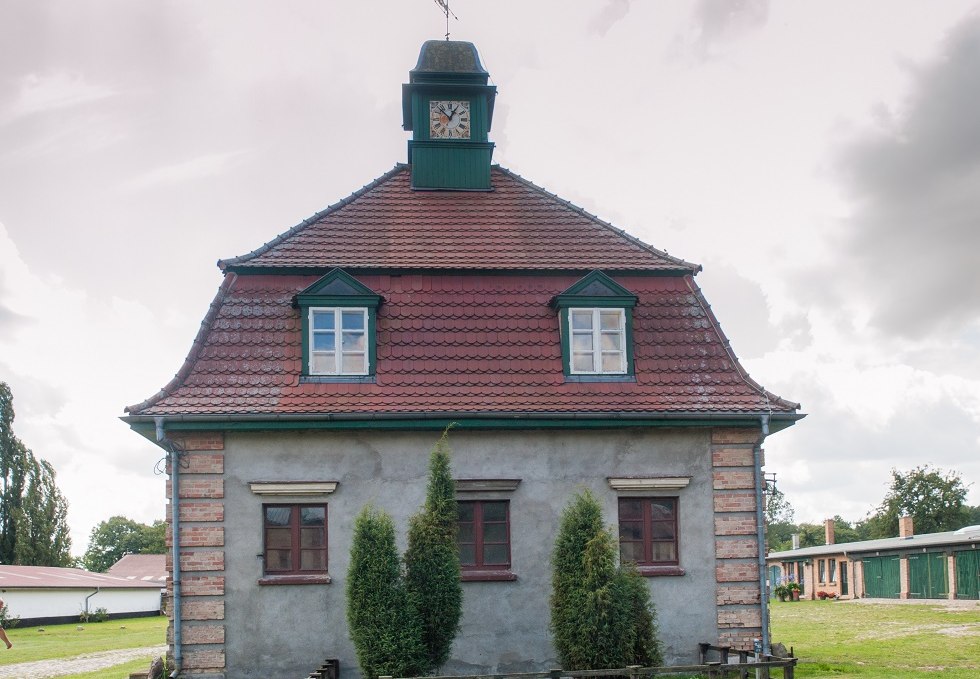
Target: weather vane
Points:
(445, 8)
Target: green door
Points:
(774, 579)
(843, 578)
(968, 574)
(928, 576)
(881, 578)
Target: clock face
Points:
(449, 119)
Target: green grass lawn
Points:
(896, 641)
(64, 641)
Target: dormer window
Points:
(598, 341)
(596, 324)
(339, 316)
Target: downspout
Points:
(175, 532)
(761, 533)
(97, 589)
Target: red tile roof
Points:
(458, 343)
(516, 226)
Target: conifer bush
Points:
(432, 560)
(601, 614)
(384, 625)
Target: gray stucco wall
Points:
(286, 630)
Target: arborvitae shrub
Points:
(601, 615)
(432, 560)
(383, 623)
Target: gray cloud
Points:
(741, 308)
(719, 20)
(609, 16)
(914, 237)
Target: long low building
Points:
(928, 566)
(41, 595)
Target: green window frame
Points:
(596, 327)
(339, 329)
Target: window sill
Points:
(318, 579)
(488, 576)
(600, 378)
(323, 379)
(659, 571)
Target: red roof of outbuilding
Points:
(466, 325)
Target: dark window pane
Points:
(630, 509)
(662, 531)
(495, 555)
(313, 516)
(631, 551)
(311, 537)
(467, 555)
(466, 533)
(313, 560)
(661, 509)
(279, 560)
(632, 530)
(465, 511)
(494, 511)
(495, 532)
(278, 538)
(277, 516)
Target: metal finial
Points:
(445, 8)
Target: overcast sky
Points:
(821, 160)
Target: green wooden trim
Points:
(387, 422)
(565, 332)
(246, 270)
(371, 331)
(565, 301)
(596, 277)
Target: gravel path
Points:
(59, 667)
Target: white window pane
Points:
(612, 341)
(323, 341)
(353, 364)
(324, 363)
(581, 342)
(354, 341)
(612, 363)
(353, 320)
(582, 363)
(610, 320)
(323, 320)
(582, 320)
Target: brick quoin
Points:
(732, 479)
(203, 634)
(738, 501)
(203, 585)
(732, 457)
(741, 593)
(740, 639)
(739, 617)
(200, 489)
(736, 436)
(199, 536)
(205, 440)
(200, 511)
(740, 548)
(201, 463)
(202, 609)
(204, 660)
(736, 571)
(735, 524)
(200, 561)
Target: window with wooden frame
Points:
(295, 539)
(648, 534)
(821, 571)
(832, 571)
(484, 538)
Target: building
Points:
(143, 567)
(45, 595)
(569, 354)
(929, 566)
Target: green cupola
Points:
(448, 107)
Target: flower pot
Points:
(796, 595)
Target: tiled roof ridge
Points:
(196, 346)
(689, 266)
(231, 261)
(727, 346)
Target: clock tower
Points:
(448, 107)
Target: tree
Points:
(933, 497)
(777, 507)
(432, 560)
(601, 616)
(384, 624)
(118, 536)
(33, 512)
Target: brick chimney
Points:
(828, 531)
(905, 526)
